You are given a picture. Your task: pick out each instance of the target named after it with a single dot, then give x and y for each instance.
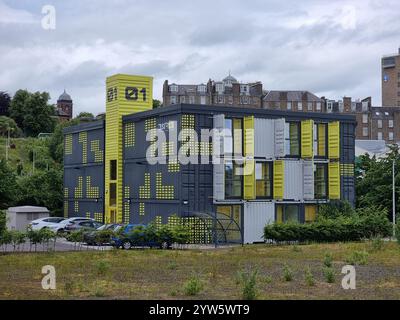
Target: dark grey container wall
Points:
(75, 168)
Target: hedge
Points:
(354, 228)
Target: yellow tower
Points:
(126, 94)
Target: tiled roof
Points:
(292, 95)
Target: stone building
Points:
(64, 108)
(391, 80)
(303, 101)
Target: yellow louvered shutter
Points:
(307, 138)
(279, 213)
(279, 169)
(310, 213)
(333, 140)
(322, 139)
(334, 180)
(249, 169)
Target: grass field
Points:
(163, 274)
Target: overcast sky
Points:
(331, 48)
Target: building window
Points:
(365, 132)
(173, 99)
(309, 106)
(289, 105)
(391, 135)
(113, 169)
(221, 99)
(264, 180)
(364, 106)
(320, 180)
(201, 88)
(182, 99)
(318, 106)
(365, 118)
(233, 139)
(233, 181)
(320, 139)
(113, 194)
(380, 136)
(219, 87)
(202, 100)
(390, 124)
(379, 124)
(287, 213)
(173, 88)
(244, 89)
(191, 99)
(292, 138)
(299, 106)
(244, 100)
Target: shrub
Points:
(366, 223)
(193, 286)
(329, 274)
(397, 230)
(5, 239)
(17, 238)
(328, 260)
(102, 267)
(377, 244)
(357, 257)
(309, 277)
(248, 279)
(287, 273)
(103, 236)
(3, 220)
(335, 209)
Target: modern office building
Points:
(271, 165)
(391, 80)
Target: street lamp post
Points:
(394, 198)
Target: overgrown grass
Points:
(163, 274)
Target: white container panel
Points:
(293, 180)
(256, 216)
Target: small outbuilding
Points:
(18, 218)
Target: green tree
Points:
(156, 103)
(374, 180)
(44, 188)
(8, 186)
(5, 100)
(85, 114)
(6, 124)
(32, 113)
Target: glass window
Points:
(380, 136)
(299, 106)
(390, 123)
(320, 180)
(173, 88)
(263, 180)
(233, 181)
(309, 106)
(191, 99)
(320, 139)
(182, 99)
(380, 124)
(113, 194)
(291, 213)
(113, 169)
(173, 99)
(202, 100)
(390, 135)
(365, 118)
(292, 138)
(289, 105)
(365, 131)
(233, 139)
(319, 106)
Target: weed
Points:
(296, 248)
(102, 267)
(287, 273)
(309, 278)
(377, 244)
(193, 286)
(358, 257)
(329, 274)
(328, 260)
(249, 282)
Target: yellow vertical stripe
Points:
(333, 140)
(322, 139)
(310, 213)
(279, 213)
(307, 138)
(334, 180)
(125, 94)
(279, 169)
(249, 185)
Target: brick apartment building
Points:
(226, 92)
(293, 101)
(391, 80)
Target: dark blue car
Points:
(135, 235)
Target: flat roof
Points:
(238, 111)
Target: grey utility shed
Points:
(18, 218)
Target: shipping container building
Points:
(273, 166)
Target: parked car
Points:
(60, 227)
(134, 235)
(90, 237)
(78, 225)
(48, 222)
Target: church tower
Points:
(64, 106)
